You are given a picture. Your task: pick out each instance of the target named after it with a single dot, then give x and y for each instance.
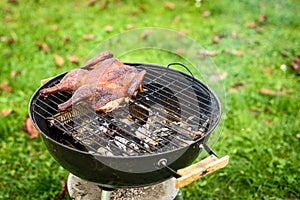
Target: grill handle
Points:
(178, 63)
(196, 171)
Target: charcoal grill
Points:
(145, 141)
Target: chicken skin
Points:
(105, 87)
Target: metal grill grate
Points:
(174, 110)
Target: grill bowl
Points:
(139, 170)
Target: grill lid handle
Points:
(178, 63)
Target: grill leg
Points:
(105, 195)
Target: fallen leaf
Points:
(258, 29)
(216, 39)
(7, 19)
(13, 2)
(8, 40)
(54, 27)
(176, 19)
(205, 13)
(233, 33)
(183, 31)
(146, 33)
(268, 122)
(29, 128)
(66, 39)
(237, 87)
(104, 4)
(268, 70)
(108, 28)
(6, 112)
(63, 191)
(13, 74)
(262, 19)
(208, 53)
(92, 2)
(295, 64)
(88, 36)
(179, 51)
(42, 46)
(284, 53)
(269, 92)
(237, 53)
(218, 76)
(117, 2)
(130, 26)
(251, 24)
(5, 87)
(73, 59)
(169, 5)
(59, 61)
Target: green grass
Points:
(259, 132)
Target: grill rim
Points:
(135, 64)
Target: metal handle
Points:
(177, 63)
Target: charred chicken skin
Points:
(106, 86)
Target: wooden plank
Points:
(200, 169)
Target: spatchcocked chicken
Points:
(106, 86)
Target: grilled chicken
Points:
(105, 87)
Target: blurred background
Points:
(255, 45)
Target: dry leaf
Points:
(8, 40)
(66, 39)
(88, 36)
(13, 2)
(64, 190)
(42, 46)
(6, 112)
(237, 53)
(262, 19)
(29, 128)
(237, 87)
(284, 53)
(268, 70)
(5, 87)
(176, 19)
(218, 76)
(205, 13)
(92, 2)
(295, 64)
(216, 39)
(269, 92)
(59, 61)
(233, 33)
(104, 4)
(269, 122)
(258, 29)
(7, 19)
(169, 5)
(146, 33)
(54, 27)
(179, 51)
(73, 59)
(251, 24)
(108, 28)
(207, 53)
(13, 74)
(130, 26)
(183, 31)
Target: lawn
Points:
(250, 42)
